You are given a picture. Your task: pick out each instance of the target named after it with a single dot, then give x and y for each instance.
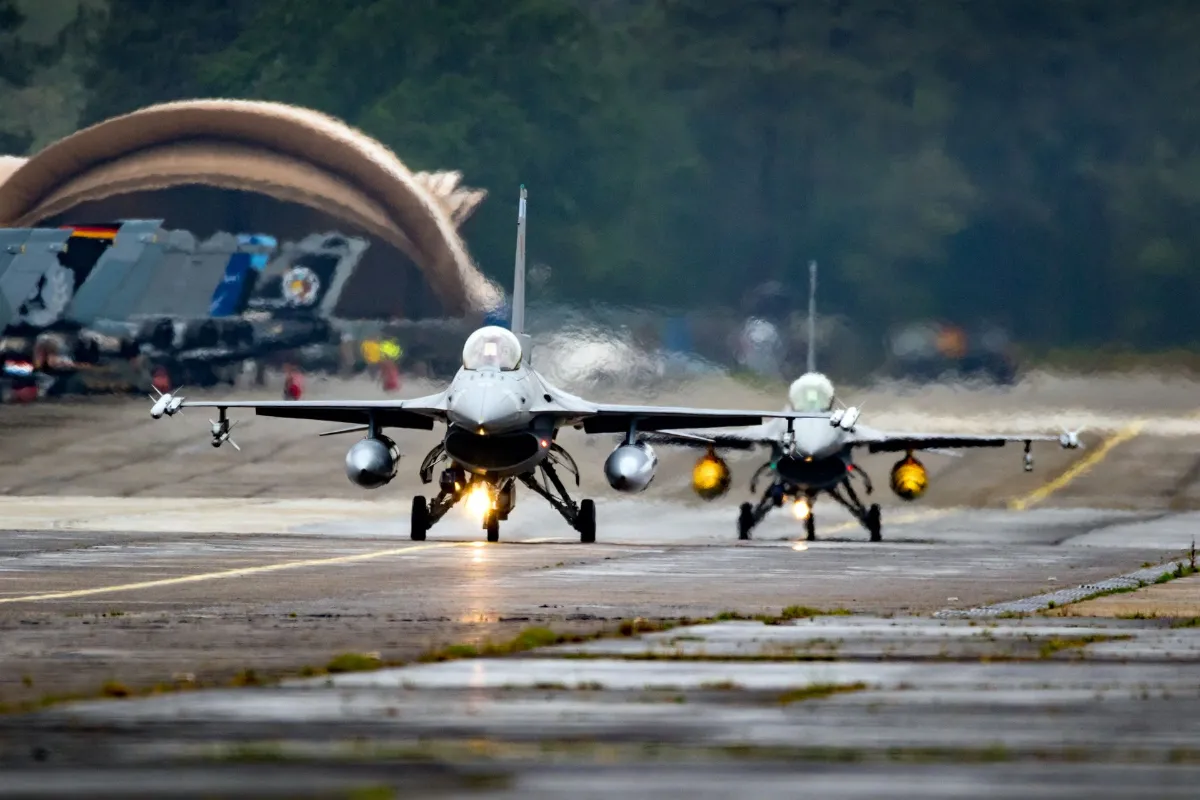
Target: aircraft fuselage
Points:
(493, 432)
(819, 460)
(810, 475)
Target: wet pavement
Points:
(136, 555)
(862, 705)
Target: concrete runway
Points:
(137, 554)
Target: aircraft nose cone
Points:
(486, 409)
(817, 438)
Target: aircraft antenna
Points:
(812, 316)
(518, 296)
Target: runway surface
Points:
(137, 555)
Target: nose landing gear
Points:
(750, 514)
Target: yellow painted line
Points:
(230, 573)
(1080, 467)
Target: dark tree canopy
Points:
(1031, 162)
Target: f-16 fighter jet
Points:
(813, 453)
(501, 420)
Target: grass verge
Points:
(528, 639)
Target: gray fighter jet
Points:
(501, 420)
(813, 452)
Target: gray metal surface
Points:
(119, 278)
(18, 282)
(182, 283)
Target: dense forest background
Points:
(1025, 161)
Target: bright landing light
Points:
(478, 501)
(800, 509)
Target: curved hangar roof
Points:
(299, 160)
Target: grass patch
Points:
(1178, 570)
(1059, 644)
(354, 662)
(803, 612)
(526, 640)
(114, 689)
(1189, 622)
(721, 686)
(788, 614)
(818, 691)
(247, 677)
(1181, 571)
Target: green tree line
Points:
(1029, 162)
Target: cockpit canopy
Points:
(811, 392)
(492, 347)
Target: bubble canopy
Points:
(492, 347)
(811, 392)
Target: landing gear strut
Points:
(454, 486)
(581, 517)
(751, 514)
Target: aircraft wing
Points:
(419, 413)
(606, 418)
(887, 442)
(763, 435)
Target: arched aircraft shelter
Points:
(241, 166)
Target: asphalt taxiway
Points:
(137, 555)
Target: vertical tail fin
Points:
(812, 316)
(517, 322)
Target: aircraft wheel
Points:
(810, 526)
(745, 521)
(420, 519)
(585, 523)
(874, 523)
(493, 526)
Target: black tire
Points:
(875, 523)
(492, 523)
(585, 523)
(745, 521)
(420, 519)
(810, 526)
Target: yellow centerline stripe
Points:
(1080, 467)
(231, 573)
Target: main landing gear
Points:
(454, 486)
(751, 514)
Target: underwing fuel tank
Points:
(372, 462)
(630, 468)
(909, 479)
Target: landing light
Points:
(478, 501)
(545, 443)
(800, 509)
(799, 547)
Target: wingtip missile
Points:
(1070, 440)
(168, 403)
(160, 405)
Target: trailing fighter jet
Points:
(501, 420)
(813, 453)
